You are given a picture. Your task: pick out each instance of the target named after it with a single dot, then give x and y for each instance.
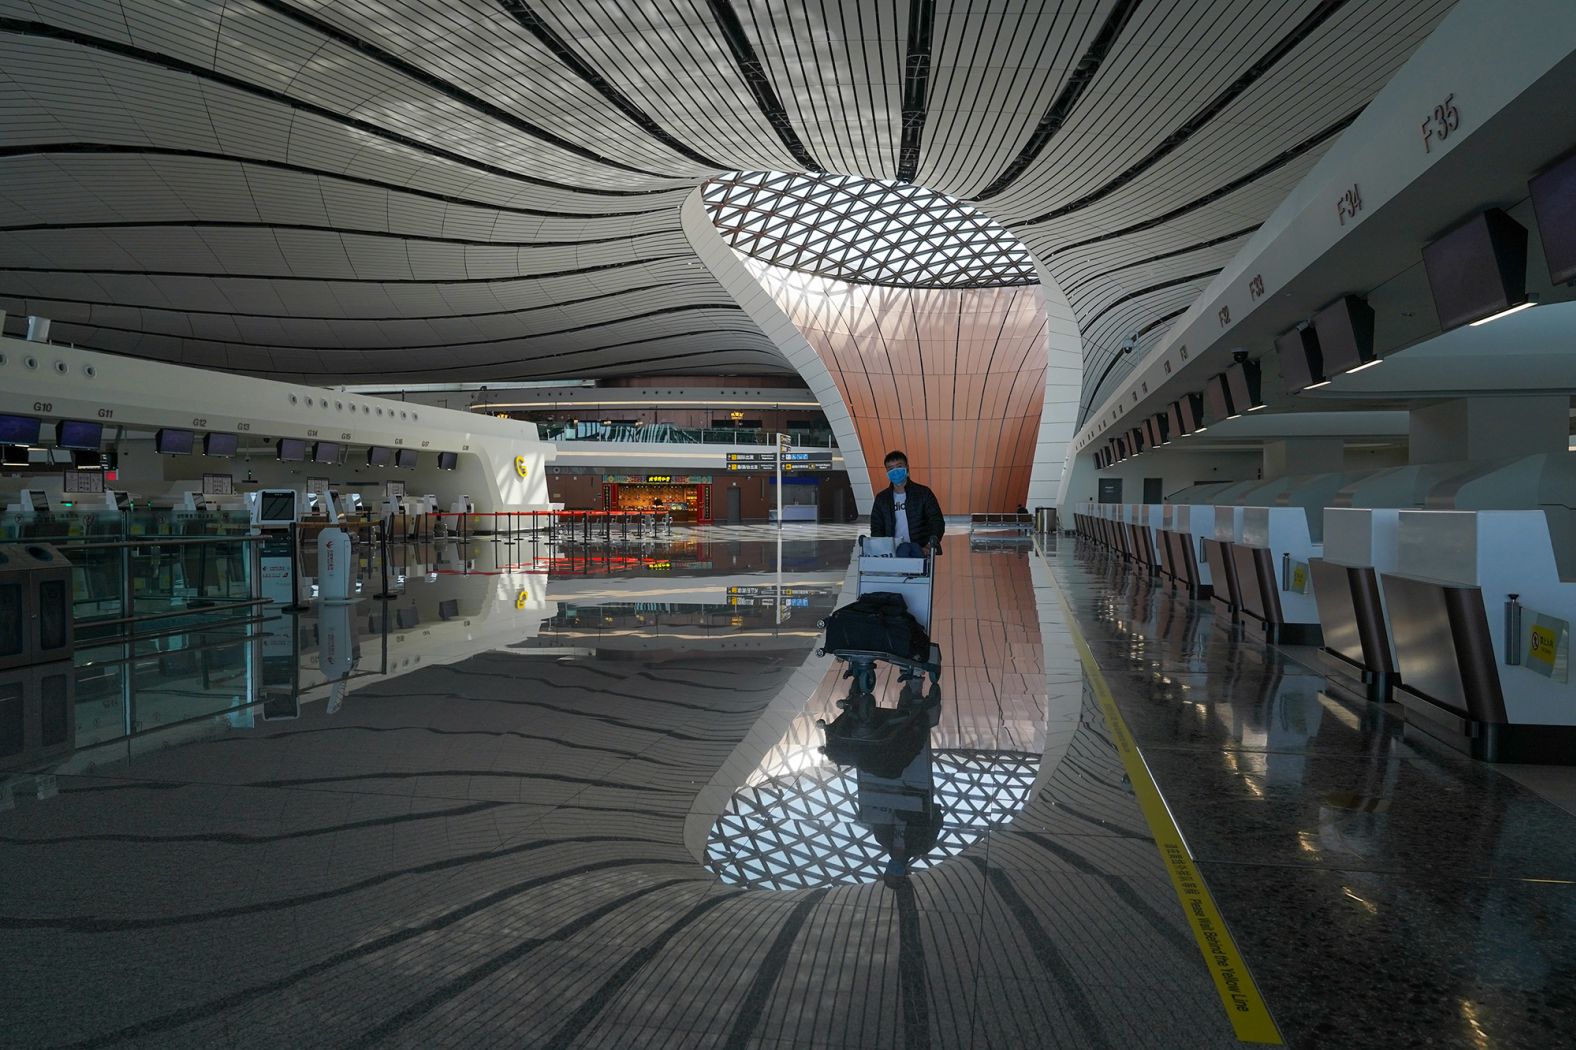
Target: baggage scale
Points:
(915, 580)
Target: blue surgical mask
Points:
(897, 475)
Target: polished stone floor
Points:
(575, 797)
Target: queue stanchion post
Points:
(296, 605)
(385, 594)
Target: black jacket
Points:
(925, 523)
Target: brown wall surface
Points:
(954, 377)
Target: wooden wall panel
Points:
(954, 377)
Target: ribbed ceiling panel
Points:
(335, 189)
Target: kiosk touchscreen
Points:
(275, 508)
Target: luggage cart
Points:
(915, 580)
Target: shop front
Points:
(685, 496)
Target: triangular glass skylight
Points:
(899, 234)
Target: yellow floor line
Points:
(1250, 1017)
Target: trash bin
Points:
(35, 605)
(1045, 520)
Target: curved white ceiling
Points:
(490, 189)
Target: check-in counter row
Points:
(1459, 610)
(1251, 561)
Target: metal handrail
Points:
(226, 604)
(146, 541)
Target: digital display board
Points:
(19, 430)
(225, 445)
(448, 460)
(1477, 269)
(405, 458)
(70, 433)
(1554, 205)
(380, 456)
(170, 442)
(292, 450)
(325, 452)
(1346, 335)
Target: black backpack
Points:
(878, 622)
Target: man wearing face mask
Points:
(907, 511)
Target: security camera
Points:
(1239, 356)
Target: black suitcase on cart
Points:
(878, 622)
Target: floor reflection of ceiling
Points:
(799, 830)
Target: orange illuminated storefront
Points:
(685, 496)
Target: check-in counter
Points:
(1359, 546)
(1218, 553)
(1283, 531)
(1173, 562)
(1192, 528)
(1136, 524)
(1115, 534)
(1479, 607)
(1480, 612)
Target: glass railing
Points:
(136, 572)
(666, 433)
(166, 615)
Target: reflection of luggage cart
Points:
(912, 578)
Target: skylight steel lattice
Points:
(799, 830)
(864, 231)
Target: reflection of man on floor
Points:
(907, 511)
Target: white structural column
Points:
(1064, 368)
(755, 301)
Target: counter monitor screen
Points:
(1554, 204)
(405, 459)
(379, 456)
(225, 445)
(90, 460)
(1346, 335)
(1478, 269)
(292, 450)
(325, 452)
(19, 430)
(70, 433)
(15, 456)
(448, 460)
(1301, 360)
(171, 442)
(1219, 397)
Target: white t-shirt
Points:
(900, 527)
